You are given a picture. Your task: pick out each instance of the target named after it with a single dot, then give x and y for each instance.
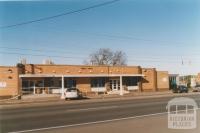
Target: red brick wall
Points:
(150, 80)
(162, 80)
(9, 76)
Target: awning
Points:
(81, 75)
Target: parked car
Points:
(72, 93)
(180, 89)
(196, 88)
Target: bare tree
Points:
(119, 59)
(105, 56)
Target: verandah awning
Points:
(81, 75)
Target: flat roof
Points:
(83, 75)
(83, 65)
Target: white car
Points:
(72, 93)
(196, 88)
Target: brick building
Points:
(39, 78)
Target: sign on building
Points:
(3, 84)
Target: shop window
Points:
(70, 83)
(25, 83)
(132, 81)
(39, 83)
(98, 82)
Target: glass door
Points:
(114, 84)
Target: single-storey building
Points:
(51, 78)
(173, 80)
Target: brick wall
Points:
(149, 82)
(79, 69)
(83, 84)
(9, 81)
(162, 80)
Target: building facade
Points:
(39, 79)
(173, 81)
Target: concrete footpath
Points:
(52, 98)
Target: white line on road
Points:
(97, 108)
(88, 123)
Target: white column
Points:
(177, 80)
(121, 87)
(34, 88)
(62, 89)
(186, 109)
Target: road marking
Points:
(87, 109)
(90, 123)
(87, 123)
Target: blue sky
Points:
(152, 33)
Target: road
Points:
(37, 117)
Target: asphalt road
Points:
(147, 124)
(37, 117)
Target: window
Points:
(98, 82)
(39, 83)
(25, 83)
(70, 83)
(132, 81)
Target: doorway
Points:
(115, 84)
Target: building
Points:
(188, 80)
(198, 79)
(9, 81)
(51, 78)
(173, 80)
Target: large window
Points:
(27, 84)
(132, 81)
(70, 83)
(39, 83)
(98, 82)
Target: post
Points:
(62, 89)
(121, 87)
(34, 87)
(186, 109)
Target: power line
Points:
(43, 55)
(71, 57)
(60, 15)
(38, 50)
(69, 52)
(112, 36)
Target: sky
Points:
(163, 34)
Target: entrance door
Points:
(114, 84)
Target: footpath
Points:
(52, 98)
